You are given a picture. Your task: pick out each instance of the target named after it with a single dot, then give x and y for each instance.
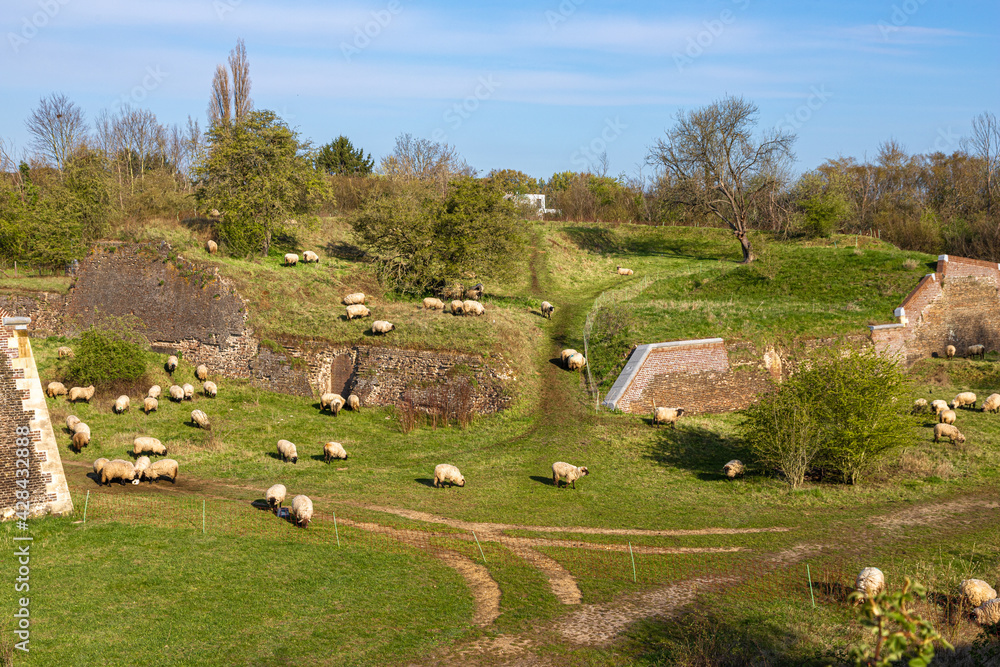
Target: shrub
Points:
(106, 357)
(899, 632)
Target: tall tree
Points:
(985, 144)
(230, 99)
(57, 129)
(423, 159)
(340, 157)
(727, 171)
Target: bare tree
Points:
(985, 144)
(422, 159)
(220, 106)
(57, 128)
(230, 98)
(728, 171)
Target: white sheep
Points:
(81, 436)
(565, 472)
(975, 351)
(622, 271)
(80, 394)
(309, 257)
(456, 307)
(171, 364)
(547, 309)
(211, 247)
(446, 472)
(430, 303)
(357, 310)
(947, 417)
(302, 511)
(576, 362)
(291, 259)
(964, 400)
(99, 465)
(117, 470)
(938, 406)
(275, 496)
(663, 415)
(988, 613)
(122, 404)
(210, 389)
(992, 403)
(54, 389)
(71, 422)
(154, 391)
(357, 298)
(976, 591)
(64, 351)
(176, 393)
(141, 464)
(150, 404)
(473, 308)
(566, 354)
(164, 468)
(332, 402)
(201, 372)
(201, 419)
(145, 444)
(214, 214)
(870, 582)
(949, 352)
(919, 406)
(353, 402)
(382, 327)
(733, 468)
(948, 431)
(188, 391)
(287, 451)
(475, 292)
(333, 450)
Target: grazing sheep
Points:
(948, 431)
(382, 327)
(949, 352)
(473, 308)
(164, 468)
(214, 214)
(287, 451)
(117, 470)
(150, 404)
(964, 400)
(446, 472)
(576, 362)
(201, 372)
(145, 444)
(171, 364)
(210, 389)
(275, 496)
(564, 472)
(154, 391)
(309, 257)
(357, 298)
(141, 464)
(54, 389)
(475, 292)
(99, 465)
(65, 352)
(666, 415)
(357, 310)
(122, 404)
(992, 403)
(988, 613)
(547, 309)
(870, 582)
(430, 303)
(353, 402)
(333, 450)
(947, 417)
(566, 354)
(976, 591)
(71, 422)
(81, 437)
(211, 246)
(920, 406)
(332, 402)
(80, 394)
(938, 406)
(622, 271)
(188, 391)
(733, 468)
(291, 259)
(201, 419)
(176, 393)
(456, 307)
(302, 511)
(975, 351)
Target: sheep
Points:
(547, 309)
(71, 422)
(201, 419)
(937, 406)
(122, 404)
(81, 436)
(99, 465)
(964, 400)
(332, 402)
(976, 351)
(622, 271)
(145, 444)
(976, 591)
(155, 391)
(171, 364)
(291, 259)
(576, 362)
(302, 511)
(214, 214)
(141, 464)
(176, 393)
(287, 451)
(309, 257)
(666, 415)
(988, 613)
(357, 310)
(565, 472)
(164, 468)
(54, 389)
(333, 450)
(947, 417)
(475, 292)
(948, 431)
(65, 352)
(949, 352)
(80, 394)
(456, 307)
(188, 391)
(382, 327)
(869, 583)
(201, 372)
(211, 247)
(150, 404)
(353, 402)
(992, 403)
(566, 354)
(210, 389)
(357, 298)
(734, 468)
(446, 472)
(430, 303)
(122, 471)
(919, 406)
(275, 496)
(473, 308)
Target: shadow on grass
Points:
(261, 504)
(547, 481)
(696, 449)
(425, 481)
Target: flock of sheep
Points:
(948, 414)
(978, 594)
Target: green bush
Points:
(106, 357)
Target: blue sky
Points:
(538, 86)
